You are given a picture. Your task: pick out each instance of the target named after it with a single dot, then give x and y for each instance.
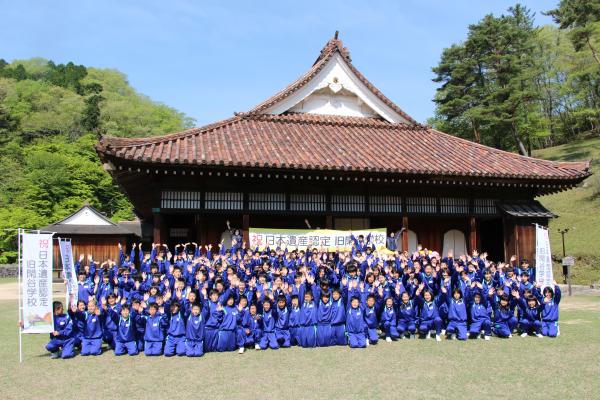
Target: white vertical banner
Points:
(36, 285)
(66, 256)
(543, 258)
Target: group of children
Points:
(195, 300)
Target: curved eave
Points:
(543, 184)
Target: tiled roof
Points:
(322, 142)
(526, 209)
(334, 45)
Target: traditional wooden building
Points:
(91, 233)
(331, 148)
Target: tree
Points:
(581, 18)
(486, 82)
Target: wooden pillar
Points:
(328, 222)
(472, 233)
(159, 236)
(404, 233)
(246, 228)
(200, 230)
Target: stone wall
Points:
(8, 270)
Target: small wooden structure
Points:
(91, 233)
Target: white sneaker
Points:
(388, 339)
(256, 347)
(367, 343)
(241, 350)
(453, 336)
(510, 336)
(524, 334)
(438, 338)
(443, 331)
(557, 330)
(539, 335)
(486, 338)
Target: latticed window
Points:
(385, 204)
(421, 205)
(180, 199)
(223, 201)
(347, 203)
(452, 205)
(308, 202)
(266, 201)
(485, 206)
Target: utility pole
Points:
(566, 263)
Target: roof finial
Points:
(336, 35)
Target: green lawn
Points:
(566, 367)
(578, 208)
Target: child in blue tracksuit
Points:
(92, 319)
(551, 299)
(457, 314)
(355, 324)
(154, 334)
(429, 318)
(110, 322)
(480, 318)
(282, 329)
(371, 311)
(63, 336)
(268, 319)
(504, 316)
(407, 317)
(308, 321)
(79, 322)
(230, 317)
(85, 287)
(530, 320)
(140, 329)
(194, 332)
(126, 340)
(294, 322)
(250, 328)
(389, 321)
(338, 319)
(175, 343)
(324, 316)
(243, 324)
(213, 320)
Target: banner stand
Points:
(20, 232)
(20, 310)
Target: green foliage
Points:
(577, 208)
(50, 116)
(512, 85)
(486, 92)
(580, 17)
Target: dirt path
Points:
(10, 291)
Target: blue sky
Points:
(211, 58)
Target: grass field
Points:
(578, 208)
(566, 367)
